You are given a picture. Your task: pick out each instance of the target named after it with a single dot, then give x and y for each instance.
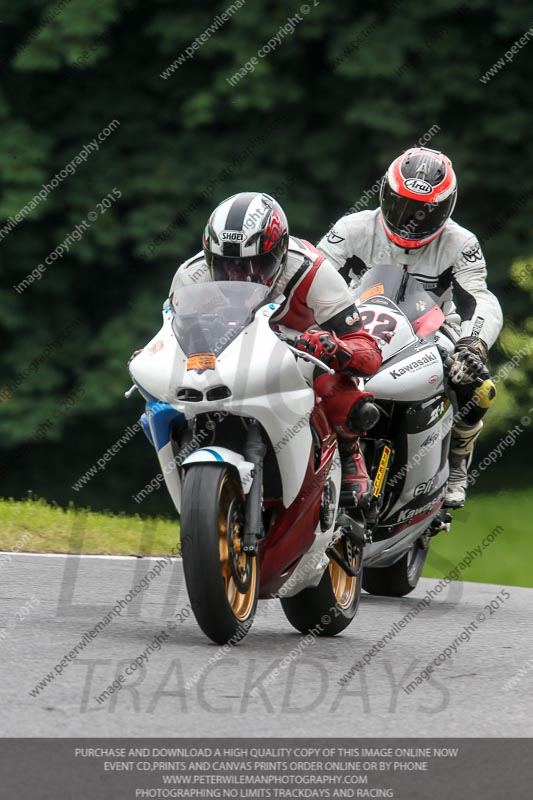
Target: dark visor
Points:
(414, 219)
(255, 269)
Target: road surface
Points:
(187, 686)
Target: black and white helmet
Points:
(247, 239)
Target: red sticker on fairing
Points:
(156, 347)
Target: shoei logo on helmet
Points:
(418, 186)
(232, 236)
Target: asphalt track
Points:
(180, 693)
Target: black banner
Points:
(127, 769)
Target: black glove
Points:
(469, 361)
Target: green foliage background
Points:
(319, 119)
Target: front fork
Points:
(254, 451)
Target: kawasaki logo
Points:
(409, 513)
(414, 366)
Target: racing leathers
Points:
(452, 269)
(312, 295)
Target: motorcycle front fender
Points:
(224, 455)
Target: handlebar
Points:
(307, 356)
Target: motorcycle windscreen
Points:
(208, 316)
(407, 292)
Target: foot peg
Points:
(441, 523)
(351, 496)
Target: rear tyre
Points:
(222, 581)
(402, 577)
(327, 609)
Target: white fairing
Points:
(264, 380)
(403, 334)
(412, 372)
(212, 455)
(170, 474)
(416, 375)
(412, 378)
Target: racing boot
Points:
(461, 450)
(356, 486)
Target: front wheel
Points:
(400, 578)
(327, 609)
(222, 581)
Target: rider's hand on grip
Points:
(468, 361)
(326, 346)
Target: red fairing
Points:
(366, 355)
(429, 322)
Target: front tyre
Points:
(400, 578)
(222, 581)
(327, 609)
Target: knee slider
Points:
(363, 416)
(485, 394)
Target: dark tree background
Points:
(317, 121)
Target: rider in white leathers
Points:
(412, 228)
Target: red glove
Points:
(357, 353)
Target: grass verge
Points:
(36, 526)
(507, 518)
(507, 559)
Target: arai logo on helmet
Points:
(232, 236)
(418, 186)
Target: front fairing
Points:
(254, 375)
(406, 292)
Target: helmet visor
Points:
(414, 219)
(255, 269)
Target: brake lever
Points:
(302, 354)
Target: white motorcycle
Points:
(252, 465)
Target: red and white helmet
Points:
(247, 239)
(417, 198)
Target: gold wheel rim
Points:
(344, 586)
(241, 603)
